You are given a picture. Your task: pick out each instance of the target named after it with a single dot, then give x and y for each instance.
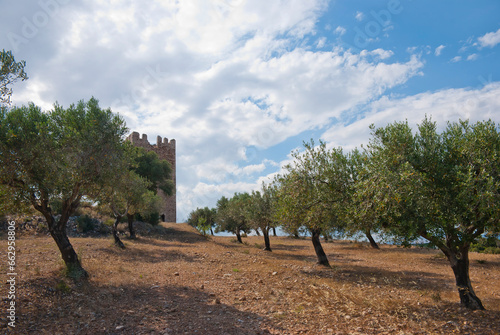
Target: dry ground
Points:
(181, 283)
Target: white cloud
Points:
(438, 50)
(359, 16)
(272, 100)
(204, 194)
(378, 53)
(340, 30)
(227, 79)
(321, 43)
(442, 106)
(472, 57)
(490, 39)
(411, 50)
(456, 59)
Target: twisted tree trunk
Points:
(320, 253)
(68, 254)
(130, 219)
(371, 239)
(267, 242)
(57, 230)
(460, 265)
(118, 242)
(459, 262)
(238, 235)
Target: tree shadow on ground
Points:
(354, 274)
(275, 247)
(133, 309)
(281, 246)
(180, 234)
(147, 256)
(484, 265)
(283, 254)
(312, 259)
(158, 242)
(232, 244)
(455, 319)
(385, 248)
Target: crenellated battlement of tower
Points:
(164, 142)
(165, 149)
(142, 141)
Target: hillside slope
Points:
(179, 282)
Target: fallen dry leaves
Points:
(178, 282)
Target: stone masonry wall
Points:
(165, 150)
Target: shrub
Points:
(109, 222)
(56, 206)
(152, 219)
(203, 227)
(491, 250)
(85, 223)
(41, 226)
(486, 245)
(104, 228)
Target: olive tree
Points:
(260, 212)
(360, 218)
(65, 153)
(157, 172)
(313, 193)
(10, 72)
(444, 187)
(126, 193)
(231, 214)
(203, 219)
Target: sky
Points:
(239, 84)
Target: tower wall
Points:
(165, 149)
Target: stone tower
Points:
(165, 150)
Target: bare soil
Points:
(178, 282)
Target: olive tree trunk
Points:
(267, 242)
(130, 219)
(460, 265)
(238, 235)
(57, 230)
(371, 239)
(68, 254)
(320, 253)
(118, 242)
